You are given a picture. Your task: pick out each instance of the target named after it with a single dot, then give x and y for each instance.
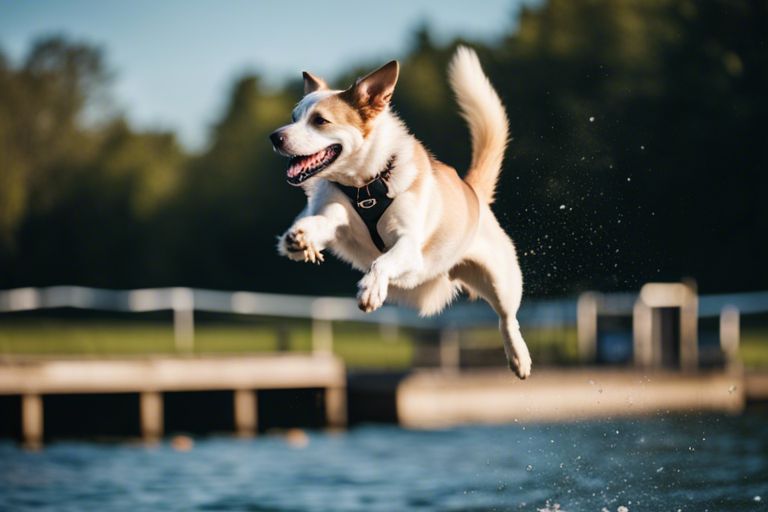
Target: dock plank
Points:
(170, 374)
(431, 399)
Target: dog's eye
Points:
(319, 121)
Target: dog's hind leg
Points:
(490, 269)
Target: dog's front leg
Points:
(404, 257)
(310, 234)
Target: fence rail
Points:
(269, 304)
(322, 311)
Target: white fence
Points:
(322, 311)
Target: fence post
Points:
(730, 336)
(450, 349)
(183, 304)
(389, 327)
(586, 326)
(322, 329)
(283, 342)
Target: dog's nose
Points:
(278, 139)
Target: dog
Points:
(377, 199)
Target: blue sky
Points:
(174, 60)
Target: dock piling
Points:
(151, 414)
(32, 421)
(336, 406)
(246, 412)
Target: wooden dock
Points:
(434, 399)
(427, 398)
(151, 377)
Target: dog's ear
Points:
(313, 83)
(371, 93)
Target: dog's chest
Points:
(354, 244)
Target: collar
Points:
(371, 201)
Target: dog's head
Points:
(330, 128)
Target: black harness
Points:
(371, 201)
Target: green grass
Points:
(357, 345)
(360, 346)
(754, 348)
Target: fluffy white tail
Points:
(481, 107)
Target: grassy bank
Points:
(362, 346)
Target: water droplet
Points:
(529, 468)
(591, 119)
(659, 470)
(562, 207)
(758, 499)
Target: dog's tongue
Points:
(300, 164)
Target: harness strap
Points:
(371, 201)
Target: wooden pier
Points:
(435, 399)
(151, 377)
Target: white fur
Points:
(483, 261)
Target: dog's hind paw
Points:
(372, 292)
(521, 365)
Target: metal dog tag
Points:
(367, 203)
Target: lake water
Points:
(668, 463)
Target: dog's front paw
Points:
(372, 291)
(297, 246)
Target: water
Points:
(694, 463)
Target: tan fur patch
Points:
(365, 110)
(338, 110)
(462, 208)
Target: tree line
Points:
(637, 153)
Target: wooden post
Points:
(642, 334)
(730, 336)
(689, 327)
(336, 406)
(246, 412)
(322, 327)
(450, 349)
(151, 412)
(322, 336)
(183, 303)
(283, 338)
(586, 326)
(389, 328)
(32, 421)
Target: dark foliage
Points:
(638, 153)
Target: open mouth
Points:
(303, 167)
